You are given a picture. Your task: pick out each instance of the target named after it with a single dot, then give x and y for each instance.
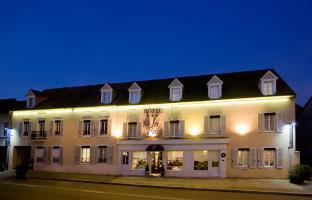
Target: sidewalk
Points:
(272, 186)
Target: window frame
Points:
(245, 158)
(82, 154)
(265, 88)
(179, 168)
(132, 97)
(134, 126)
(54, 161)
(29, 128)
(86, 129)
(103, 160)
(174, 123)
(105, 133)
(211, 120)
(175, 97)
(214, 90)
(108, 94)
(30, 102)
(57, 125)
(40, 160)
(267, 120)
(136, 158)
(125, 157)
(207, 159)
(272, 150)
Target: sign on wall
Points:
(151, 123)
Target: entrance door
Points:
(22, 155)
(214, 163)
(3, 157)
(156, 163)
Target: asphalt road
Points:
(46, 190)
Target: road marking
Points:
(95, 191)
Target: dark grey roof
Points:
(235, 85)
(6, 105)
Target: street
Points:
(46, 189)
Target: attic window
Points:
(175, 93)
(268, 84)
(134, 96)
(267, 87)
(106, 97)
(30, 102)
(215, 87)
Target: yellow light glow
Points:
(117, 134)
(242, 129)
(194, 131)
(276, 99)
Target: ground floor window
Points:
(85, 154)
(125, 157)
(40, 154)
(242, 157)
(56, 152)
(139, 160)
(200, 160)
(269, 157)
(175, 160)
(102, 153)
(214, 158)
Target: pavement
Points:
(261, 186)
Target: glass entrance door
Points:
(156, 163)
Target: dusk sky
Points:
(71, 43)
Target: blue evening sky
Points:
(45, 44)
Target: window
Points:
(214, 91)
(57, 125)
(106, 96)
(41, 126)
(267, 87)
(175, 93)
(134, 96)
(30, 102)
(174, 128)
(103, 126)
(40, 154)
(85, 154)
(26, 128)
(214, 158)
(56, 154)
(139, 160)
(215, 122)
(86, 127)
(102, 154)
(200, 160)
(132, 129)
(242, 157)
(125, 158)
(269, 122)
(269, 157)
(175, 160)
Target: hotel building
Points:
(221, 125)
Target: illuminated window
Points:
(102, 153)
(125, 158)
(215, 122)
(139, 160)
(242, 157)
(85, 154)
(174, 128)
(56, 154)
(269, 157)
(200, 160)
(103, 126)
(175, 93)
(175, 160)
(267, 87)
(132, 129)
(269, 122)
(134, 96)
(106, 97)
(40, 154)
(86, 127)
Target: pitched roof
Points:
(6, 105)
(235, 85)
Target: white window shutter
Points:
(51, 131)
(20, 131)
(109, 127)
(206, 124)
(223, 124)
(279, 122)
(110, 154)
(93, 128)
(62, 127)
(166, 129)
(260, 122)
(234, 158)
(61, 155)
(93, 153)
(279, 158)
(252, 158)
(139, 129)
(181, 128)
(80, 128)
(77, 154)
(260, 158)
(125, 130)
(48, 155)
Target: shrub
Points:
(299, 173)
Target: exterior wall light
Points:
(194, 131)
(242, 129)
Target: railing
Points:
(39, 135)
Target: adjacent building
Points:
(221, 125)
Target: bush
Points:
(299, 173)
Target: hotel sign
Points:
(151, 123)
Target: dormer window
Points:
(134, 93)
(214, 88)
(267, 84)
(106, 94)
(30, 102)
(176, 90)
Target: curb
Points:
(177, 187)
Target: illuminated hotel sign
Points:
(151, 123)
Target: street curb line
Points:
(177, 187)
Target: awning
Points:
(155, 147)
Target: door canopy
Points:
(155, 147)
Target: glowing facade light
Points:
(242, 129)
(194, 131)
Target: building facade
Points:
(225, 125)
